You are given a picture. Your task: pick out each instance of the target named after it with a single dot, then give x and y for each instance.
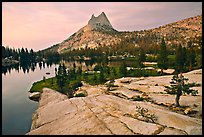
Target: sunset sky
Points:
(39, 25)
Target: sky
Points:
(39, 25)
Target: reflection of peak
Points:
(99, 22)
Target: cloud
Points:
(39, 25)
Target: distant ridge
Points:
(99, 32)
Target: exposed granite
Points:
(105, 112)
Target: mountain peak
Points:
(186, 30)
(99, 22)
(103, 14)
(92, 16)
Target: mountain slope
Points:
(99, 32)
(182, 30)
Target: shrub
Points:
(137, 98)
(76, 84)
(145, 114)
(80, 95)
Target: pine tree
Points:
(3, 52)
(79, 73)
(191, 56)
(61, 77)
(102, 76)
(123, 70)
(64, 72)
(114, 74)
(95, 78)
(162, 57)
(180, 86)
(184, 52)
(142, 57)
(180, 59)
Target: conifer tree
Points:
(61, 77)
(95, 78)
(191, 56)
(180, 86)
(180, 59)
(162, 57)
(142, 57)
(123, 70)
(102, 76)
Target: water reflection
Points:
(27, 67)
(17, 79)
(85, 65)
(17, 108)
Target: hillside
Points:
(99, 32)
(181, 31)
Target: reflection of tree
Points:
(33, 65)
(28, 61)
(9, 70)
(6, 69)
(25, 66)
(49, 64)
(3, 69)
(40, 65)
(16, 67)
(80, 66)
(43, 64)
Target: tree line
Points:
(186, 58)
(23, 55)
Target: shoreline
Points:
(9, 62)
(120, 109)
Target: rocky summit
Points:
(116, 112)
(101, 22)
(99, 32)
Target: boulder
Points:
(167, 71)
(189, 111)
(125, 80)
(80, 93)
(176, 109)
(144, 94)
(172, 131)
(168, 104)
(141, 78)
(34, 96)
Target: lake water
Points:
(17, 108)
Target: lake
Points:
(17, 108)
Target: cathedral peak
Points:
(99, 22)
